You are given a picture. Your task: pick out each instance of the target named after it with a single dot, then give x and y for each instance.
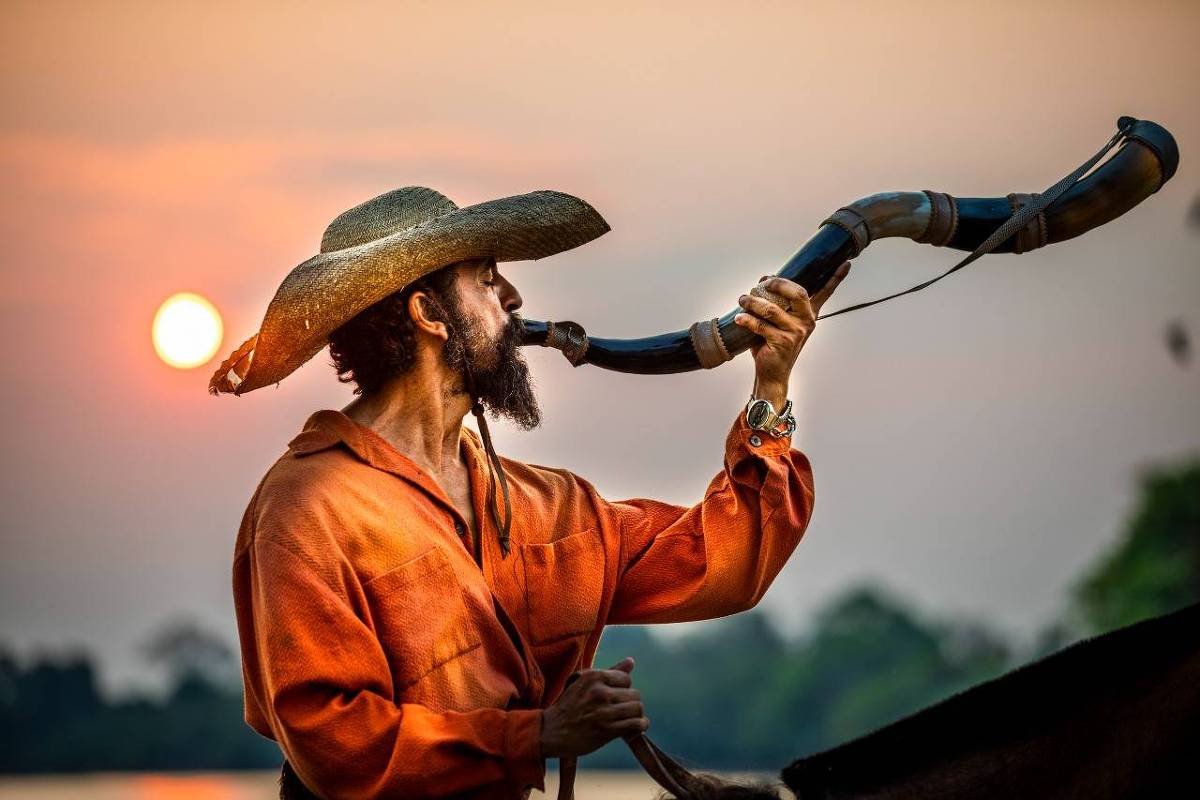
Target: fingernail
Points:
(742, 299)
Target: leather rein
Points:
(665, 771)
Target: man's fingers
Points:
(765, 309)
(630, 727)
(620, 711)
(820, 297)
(764, 329)
(625, 664)
(616, 677)
(623, 695)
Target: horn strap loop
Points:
(943, 219)
(708, 344)
(853, 223)
(1033, 235)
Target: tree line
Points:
(735, 695)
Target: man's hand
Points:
(597, 708)
(783, 332)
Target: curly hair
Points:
(379, 343)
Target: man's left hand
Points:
(783, 332)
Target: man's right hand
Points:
(599, 706)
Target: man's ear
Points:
(421, 309)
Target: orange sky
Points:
(974, 445)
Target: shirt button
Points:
(754, 440)
(459, 529)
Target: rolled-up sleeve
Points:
(324, 682)
(718, 557)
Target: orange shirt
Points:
(387, 663)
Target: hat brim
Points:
(329, 289)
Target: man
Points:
(410, 605)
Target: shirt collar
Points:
(327, 428)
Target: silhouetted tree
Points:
(1155, 566)
(189, 652)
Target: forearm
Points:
(774, 391)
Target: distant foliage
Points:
(1155, 567)
(54, 719)
(191, 653)
(737, 696)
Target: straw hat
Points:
(381, 246)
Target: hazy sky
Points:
(974, 445)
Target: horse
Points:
(1115, 716)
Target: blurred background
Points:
(1004, 463)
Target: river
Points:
(589, 785)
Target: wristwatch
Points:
(761, 416)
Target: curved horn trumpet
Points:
(1147, 159)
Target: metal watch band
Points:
(789, 426)
(757, 407)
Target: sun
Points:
(187, 330)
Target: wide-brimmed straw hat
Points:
(381, 246)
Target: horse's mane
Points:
(1132, 692)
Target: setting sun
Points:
(187, 330)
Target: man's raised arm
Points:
(719, 556)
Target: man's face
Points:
(486, 335)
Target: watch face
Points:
(759, 414)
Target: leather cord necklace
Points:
(495, 469)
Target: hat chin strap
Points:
(494, 467)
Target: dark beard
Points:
(501, 376)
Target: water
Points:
(589, 785)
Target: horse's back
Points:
(1117, 716)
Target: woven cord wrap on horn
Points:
(766, 294)
(570, 338)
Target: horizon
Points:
(974, 445)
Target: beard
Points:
(502, 380)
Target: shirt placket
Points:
(500, 572)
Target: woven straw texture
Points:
(381, 246)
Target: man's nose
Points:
(510, 298)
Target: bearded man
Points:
(418, 615)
